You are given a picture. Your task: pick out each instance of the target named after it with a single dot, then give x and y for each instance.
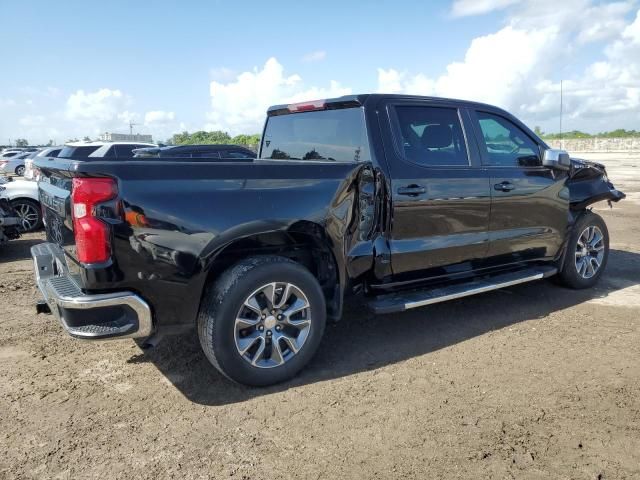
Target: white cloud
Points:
(222, 74)
(463, 8)
(239, 106)
(158, 117)
(519, 66)
(32, 120)
(103, 105)
(7, 102)
(315, 56)
(392, 81)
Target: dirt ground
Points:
(534, 381)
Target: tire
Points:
(222, 338)
(29, 212)
(577, 268)
(19, 170)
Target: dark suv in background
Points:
(210, 152)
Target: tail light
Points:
(92, 235)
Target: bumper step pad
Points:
(88, 316)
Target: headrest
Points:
(437, 136)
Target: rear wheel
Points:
(19, 170)
(262, 320)
(29, 213)
(587, 252)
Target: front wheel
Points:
(587, 252)
(19, 170)
(262, 320)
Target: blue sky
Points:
(78, 68)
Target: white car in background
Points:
(13, 163)
(23, 197)
(82, 150)
(29, 172)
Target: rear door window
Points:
(432, 136)
(333, 135)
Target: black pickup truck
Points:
(402, 201)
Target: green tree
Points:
(49, 143)
(22, 142)
(202, 137)
(249, 140)
(538, 131)
(86, 139)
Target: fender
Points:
(588, 184)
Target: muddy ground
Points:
(534, 381)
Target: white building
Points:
(125, 137)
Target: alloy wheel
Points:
(589, 251)
(28, 215)
(272, 325)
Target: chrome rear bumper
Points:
(88, 316)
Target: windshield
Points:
(335, 135)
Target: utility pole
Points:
(561, 139)
(131, 125)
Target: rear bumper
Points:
(88, 316)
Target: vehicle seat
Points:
(434, 138)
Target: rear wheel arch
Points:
(304, 242)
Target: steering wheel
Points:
(515, 149)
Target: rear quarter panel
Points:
(178, 216)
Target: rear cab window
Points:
(335, 135)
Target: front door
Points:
(530, 203)
(440, 193)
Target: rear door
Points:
(530, 203)
(440, 194)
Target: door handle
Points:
(504, 186)
(412, 190)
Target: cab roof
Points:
(348, 101)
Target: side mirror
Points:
(558, 159)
